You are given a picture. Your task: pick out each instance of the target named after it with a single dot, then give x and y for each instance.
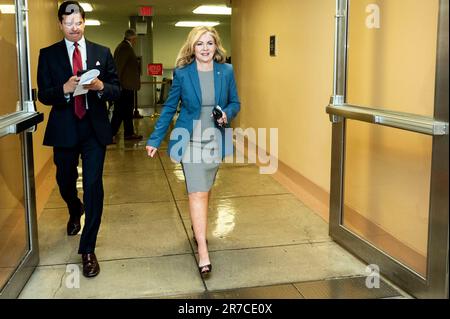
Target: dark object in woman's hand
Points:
(217, 114)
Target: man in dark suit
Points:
(78, 125)
(129, 73)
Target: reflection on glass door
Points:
(13, 231)
(387, 190)
(389, 109)
(392, 65)
(18, 118)
(9, 82)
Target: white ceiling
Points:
(109, 11)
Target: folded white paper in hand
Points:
(86, 78)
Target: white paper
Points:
(86, 78)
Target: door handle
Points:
(405, 121)
(19, 122)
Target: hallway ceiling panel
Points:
(115, 10)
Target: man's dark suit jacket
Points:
(54, 70)
(127, 66)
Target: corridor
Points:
(264, 242)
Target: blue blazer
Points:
(186, 88)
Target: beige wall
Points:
(109, 34)
(392, 68)
(289, 91)
(44, 31)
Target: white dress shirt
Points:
(82, 47)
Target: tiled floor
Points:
(264, 242)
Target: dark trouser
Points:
(66, 161)
(123, 111)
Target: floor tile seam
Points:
(141, 173)
(291, 284)
(183, 254)
(221, 168)
(395, 287)
(344, 277)
(139, 203)
(107, 172)
(212, 198)
(118, 204)
(298, 290)
(250, 287)
(118, 172)
(116, 259)
(330, 278)
(311, 243)
(240, 196)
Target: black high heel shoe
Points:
(193, 236)
(205, 270)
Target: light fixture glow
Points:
(86, 6)
(192, 24)
(213, 10)
(91, 22)
(7, 9)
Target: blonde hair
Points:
(187, 51)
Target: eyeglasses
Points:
(71, 24)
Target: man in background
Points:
(129, 77)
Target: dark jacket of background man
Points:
(127, 66)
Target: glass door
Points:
(389, 109)
(18, 119)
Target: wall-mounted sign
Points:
(272, 45)
(145, 11)
(154, 69)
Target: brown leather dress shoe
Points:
(74, 224)
(91, 268)
(133, 137)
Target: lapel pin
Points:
(97, 63)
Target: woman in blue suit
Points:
(202, 81)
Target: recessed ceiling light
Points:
(86, 6)
(196, 23)
(7, 9)
(91, 22)
(213, 10)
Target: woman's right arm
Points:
(151, 151)
(167, 113)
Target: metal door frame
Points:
(435, 284)
(23, 123)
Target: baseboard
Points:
(313, 196)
